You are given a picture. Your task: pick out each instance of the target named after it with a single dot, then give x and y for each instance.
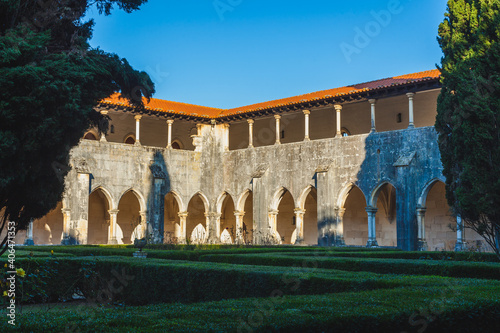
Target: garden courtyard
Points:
(213, 288)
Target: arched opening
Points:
(385, 219)
(227, 221)
(345, 132)
(130, 140)
(311, 218)
(196, 224)
(98, 224)
(176, 145)
(171, 219)
(438, 220)
(89, 136)
(128, 219)
(48, 230)
(286, 224)
(355, 219)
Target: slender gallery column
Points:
(169, 138)
(137, 129)
(422, 243)
(372, 239)
(250, 133)
(113, 214)
(278, 129)
(181, 232)
(66, 227)
(144, 224)
(339, 237)
(306, 124)
(460, 245)
(239, 227)
(410, 100)
(273, 223)
(103, 137)
(226, 136)
(372, 104)
(29, 234)
(299, 224)
(338, 108)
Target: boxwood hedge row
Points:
(383, 266)
(423, 255)
(432, 309)
(138, 282)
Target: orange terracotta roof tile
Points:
(161, 105)
(207, 112)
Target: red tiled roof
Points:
(207, 112)
(161, 105)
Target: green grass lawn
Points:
(258, 289)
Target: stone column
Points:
(169, 138)
(306, 124)
(181, 232)
(422, 243)
(339, 237)
(79, 204)
(250, 133)
(113, 225)
(326, 209)
(338, 108)
(144, 224)
(239, 227)
(299, 225)
(103, 137)
(137, 129)
(226, 137)
(197, 139)
(410, 99)
(213, 227)
(372, 238)
(273, 223)
(67, 237)
(460, 245)
(372, 104)
(278, 129)
(29, 234)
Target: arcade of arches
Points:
(294, 225)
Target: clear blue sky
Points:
(229, 53)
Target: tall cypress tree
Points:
(469, 114)
(50, 82)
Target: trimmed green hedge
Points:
(137, 282)
(180, 252)
(423, 255)
(383, 266)
(458, 309)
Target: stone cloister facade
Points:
(354, 165)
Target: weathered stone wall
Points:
(407, 159)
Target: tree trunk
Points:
(497, 240)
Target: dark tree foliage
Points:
(50, 82)
(469, 113)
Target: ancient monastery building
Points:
(356, 165)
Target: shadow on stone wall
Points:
(159, 187)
